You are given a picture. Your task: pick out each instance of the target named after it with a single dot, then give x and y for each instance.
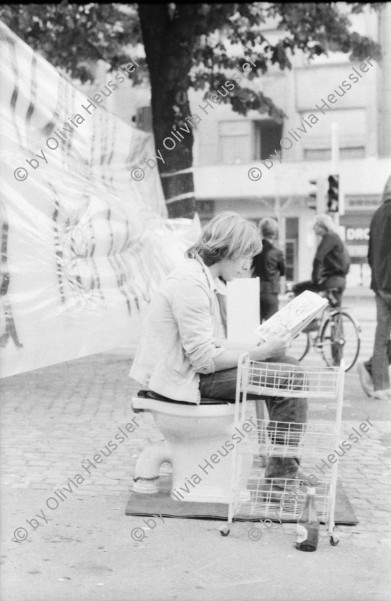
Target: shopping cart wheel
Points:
(224, 530)
(334, 540)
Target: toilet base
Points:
(214, 486)
(146, 487)
(198, 441)
(217, 488)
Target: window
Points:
(235, 142)
(290, 259)
(324, 154)
(317, 154)
(353, 152)
(234, 149)
(268, 135)
(205, 210)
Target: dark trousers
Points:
(309, 285)
(377, 365)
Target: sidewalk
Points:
(359, 292)
(55, 420)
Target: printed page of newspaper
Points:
(295, 316)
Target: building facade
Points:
(260, 168)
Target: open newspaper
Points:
(295, 316)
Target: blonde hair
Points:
(228, 236)
(325, 222)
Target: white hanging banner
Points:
(85, 238)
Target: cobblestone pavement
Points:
(55, 420)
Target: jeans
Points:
(222, 385)
(377, 365)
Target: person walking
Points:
(269, 265)
(374, 374)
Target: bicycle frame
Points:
(331, 341)
(315, 341)
(318, 344)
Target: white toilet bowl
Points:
(199, 443)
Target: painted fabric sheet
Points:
(83, 245)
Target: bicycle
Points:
(335, 335)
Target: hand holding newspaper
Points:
(292, 318)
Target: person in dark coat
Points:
(331, 262)
(374, 373)
(269, 265)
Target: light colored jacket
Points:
(180, 337)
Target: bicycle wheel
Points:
(340, 338)
(299, 346)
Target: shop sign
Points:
(357, 235)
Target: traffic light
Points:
(333, 194)
(313, 195)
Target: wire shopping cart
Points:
(283, 498)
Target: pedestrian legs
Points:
(380, 358)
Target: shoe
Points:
(381, 395)
(365, 379)
(281, 467)
(282, 475)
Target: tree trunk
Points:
(168, 43)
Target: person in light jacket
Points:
(181, 354)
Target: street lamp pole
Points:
(335, 161)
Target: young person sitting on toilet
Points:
(181, 354)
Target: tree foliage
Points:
(70, 36)
(189, 46)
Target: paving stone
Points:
(57, 419)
